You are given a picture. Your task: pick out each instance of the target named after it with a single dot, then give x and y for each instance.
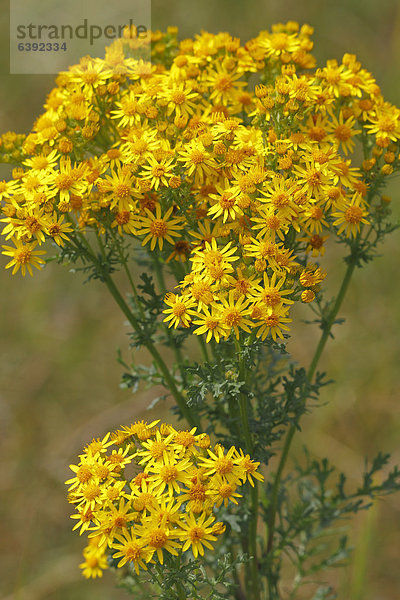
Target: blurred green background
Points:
(59, 377)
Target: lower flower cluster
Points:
(146, 489)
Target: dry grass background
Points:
(58, 374)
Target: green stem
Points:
(124, 263)
(331, 319)
(181, 591)
(253, 542)
(179, 587)
(186, 413)
(203, 348)
(244, 417)
(310, 374)
(153, 351)
(163, 289)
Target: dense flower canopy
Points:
(233, 163)
(167, 505)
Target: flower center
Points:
(226, 201)
(158, 171)
(353, 214)
(83, 474)
(157, 538)
(224, 465)
(224, 83)
(197, 157)
(342, 133)
(271, 297)
(196, 533)
(197, 492)
(122, 190)
(158, 228)
(272, 320)
(91, 491)
(178, 97)
(133, 551)
(23, 256)
(225, 490)
(64, 182)
(157, 449)
(168, 473)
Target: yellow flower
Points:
(343, 131)
(275, 44)
(111, 521)
(221, 492)
(234, 312)
(270, 224)
(311, 178)
(384, 122)
(211, 323)
(68, 180)
(313, 219)
(128, 110)
(24, 257)
(262, 250)
(89, 74)
(126, 222)
(250, 469)
(160, 449)
(179, 311)
(212, 256)
(279, 194)
(42, 162)
(158, 228)
(179, 100)
(84, 520)
(88, 495)
(273, 321)
(334, 77)
(30, 224)
(157, 171)
(226, 205)
(311, 276)
(227, 466)
(98, 446)
(350, 218)
(198, 162)
(157, 539)
(167, 476)
(119, 190)
(7, 188)
(315, 244)
(196, 497)
(223, 84)
(244, 285)
(58, 230)
(167, 513)
(84, 472)
(95, 561)
(131, 549)
(197, 534)
(271, 294)
(180, 252)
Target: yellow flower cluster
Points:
(167, 501)
(187, 155)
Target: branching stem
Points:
(186, 412)
(310, 374)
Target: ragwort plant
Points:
(212, 178)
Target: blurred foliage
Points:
(59, 376)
